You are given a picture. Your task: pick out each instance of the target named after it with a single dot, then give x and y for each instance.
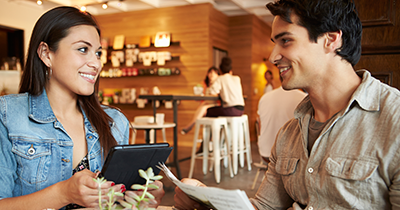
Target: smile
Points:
(91, 77)
(284, 69)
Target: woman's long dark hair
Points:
(207, 80)
(51, 28)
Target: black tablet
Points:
(124, 161)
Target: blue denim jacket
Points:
(35, 149)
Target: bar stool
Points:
(143, 120)
(238, 127)
(212, 127)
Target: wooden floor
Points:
(243, 180)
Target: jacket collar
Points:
(40, 109)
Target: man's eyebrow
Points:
(280, 35)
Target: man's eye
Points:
(285, 41)
(83, 49)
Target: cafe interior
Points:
(156, 54)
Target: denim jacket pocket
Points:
(286, 166)
(350, 169)
(33, 159)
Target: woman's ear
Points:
(43, 52)
(333, 40)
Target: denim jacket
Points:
(35, 149)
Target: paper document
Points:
(214, 198)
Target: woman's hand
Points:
(81, 189)
(157, 193)
(182, 201)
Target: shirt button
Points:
(310, 208)
(90, 137)
(65, 160)
(31, 151)
(310, 170)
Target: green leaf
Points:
(143, 174)
(150, 195)
(125, 204)
(152, 186)
(119, 194)
(137, 187)
(158, 177)
(132, 194)
(150, 172)
(131, 200)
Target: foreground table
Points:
(175, 98)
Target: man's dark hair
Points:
(321, 16)
(226, 65)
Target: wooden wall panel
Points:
(190, 26)
(380, 39)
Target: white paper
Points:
(215, 198)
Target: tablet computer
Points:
(124, 161)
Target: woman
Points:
(229, 88)
(56, 127)
(212, 75)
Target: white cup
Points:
(160, 118)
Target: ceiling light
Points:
(104, 5)
(39, 2)
(83, 8)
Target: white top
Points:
(268, 88)
(230, 90)
(275, 108)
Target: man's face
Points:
(300, 61)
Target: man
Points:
(275, 108)
(341, 150)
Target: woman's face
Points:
(76, 63)
(212, 76)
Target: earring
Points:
(49, 73)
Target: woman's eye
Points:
(83, 49)
(285, 41)
(98, 54)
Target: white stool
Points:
(238, 127)
(213, 125)
(142, 120)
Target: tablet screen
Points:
(124, 161)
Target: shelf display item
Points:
(163, 39)
(145, 41)
(117, 57)
(119, 42)
(162, 56)
(147, 57)
(131, 56)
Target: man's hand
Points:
(182, 201)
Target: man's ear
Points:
(43, 52)
(333, 41)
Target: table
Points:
(175, 98)
(148, 126)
